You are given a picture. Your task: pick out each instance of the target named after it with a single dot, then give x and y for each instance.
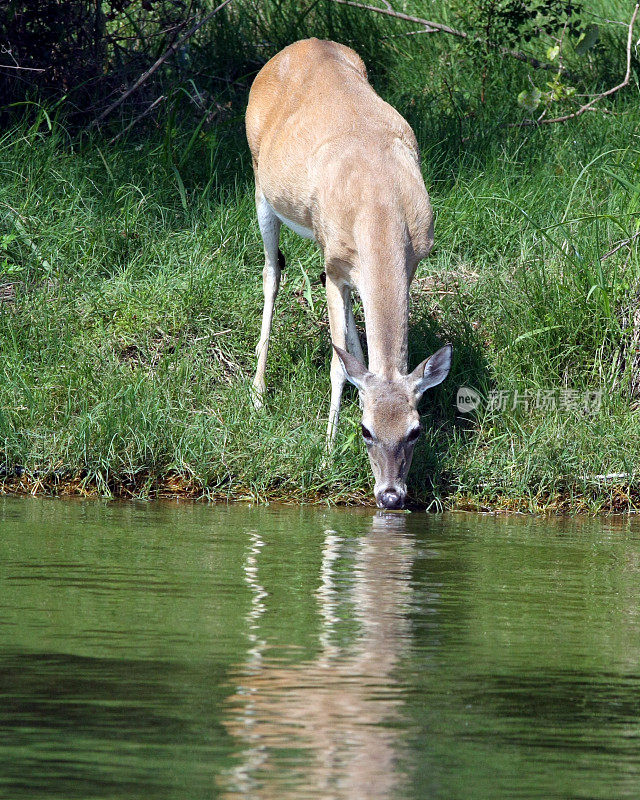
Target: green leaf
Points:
(588, 39)
(529, 99)
(552, 52)
(9, 269)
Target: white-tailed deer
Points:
(337, 164)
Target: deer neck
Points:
(383, 286)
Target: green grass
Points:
(126, 353)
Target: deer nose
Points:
(390, 498)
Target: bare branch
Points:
(604, 19)
(138, 118)
(168, 52)
(27, 69)
(625, 81)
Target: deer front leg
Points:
(270, 230)
(338, 307)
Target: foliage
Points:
(77, 56)
(509, 23)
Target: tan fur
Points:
(330, 156)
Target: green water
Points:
(172, 651)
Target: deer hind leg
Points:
(273, 263)
(338, 306)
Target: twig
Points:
(27, 69)
(168, 52)
(604, 19)
(625, 81)
(435, 26)
(620, 245)
(533, 61)
(138, 118)
(395, 35)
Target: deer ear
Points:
(354, 370)
(433, 370)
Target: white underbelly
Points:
(299, 229)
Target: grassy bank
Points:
(132, 300)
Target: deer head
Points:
(390, 419)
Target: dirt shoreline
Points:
(620, 500)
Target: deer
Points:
(338, 165)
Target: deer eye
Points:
(413, 434)
(366, 434)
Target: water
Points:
(164, 651)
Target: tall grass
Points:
(132, 277)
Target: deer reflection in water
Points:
(320, 728)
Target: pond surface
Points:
(191, 651)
